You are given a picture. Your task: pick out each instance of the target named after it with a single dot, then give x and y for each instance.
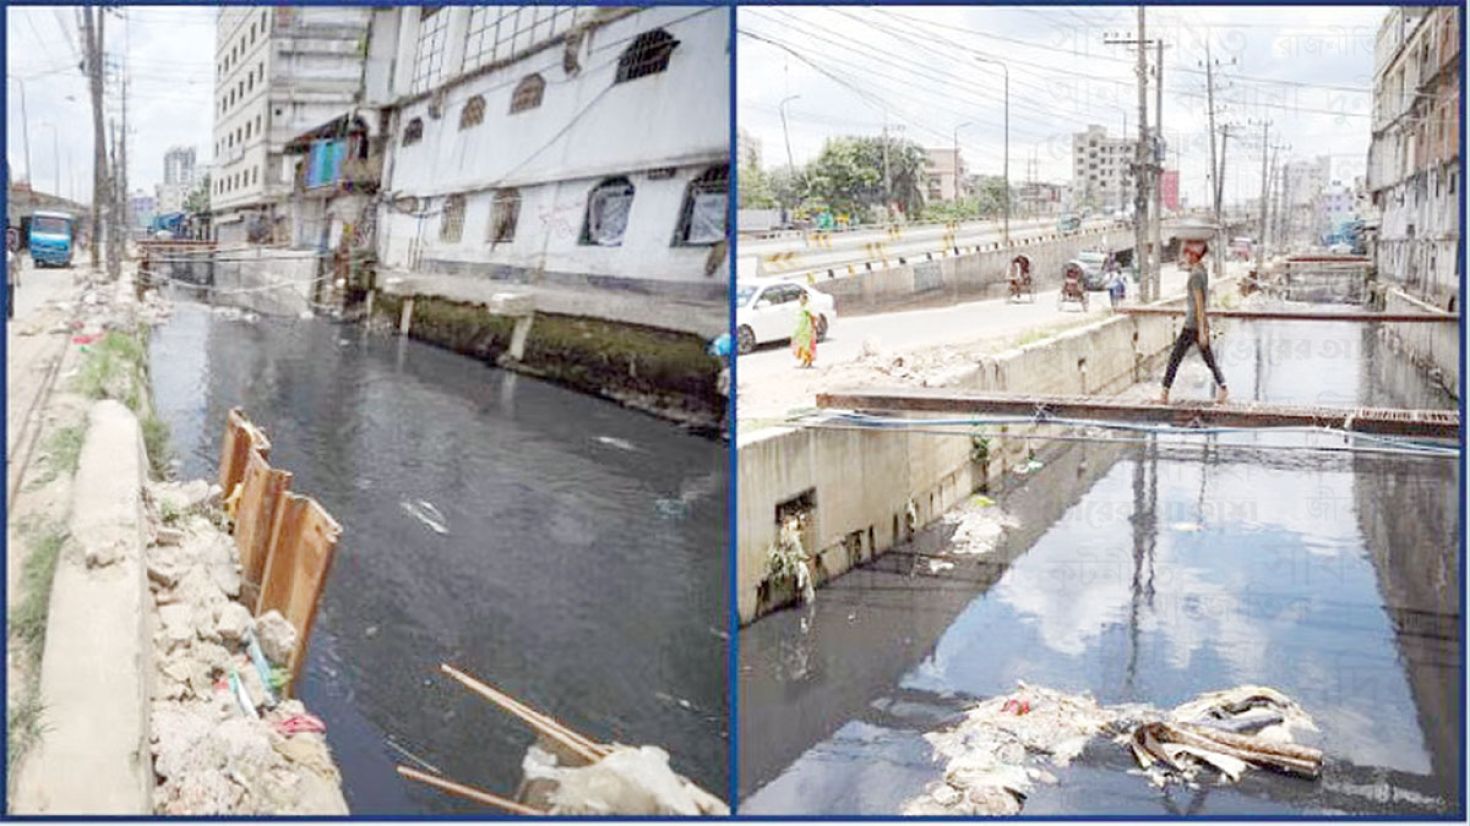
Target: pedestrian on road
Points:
(1196, 329)
(804, 340)
(12, 262)
(1117, 289)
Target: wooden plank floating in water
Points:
(1435, 424)
(469, 792)
(1300, 315)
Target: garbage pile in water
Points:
(1002, 748)
(567, 773)
(224, 739)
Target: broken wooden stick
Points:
(469, 792)
(579, 745)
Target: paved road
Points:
(771, 383)
(31, 349)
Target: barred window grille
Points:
(504, 215)
(428, 63)
(497, 33)
(413, 132)
(706, 206)
(607, 213)
(473, 112)
(527, 94)
(451, 226)
(648, 54)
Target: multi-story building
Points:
(278, 70)
(1040, 198)
(566, 146)
(1414, 171)
(141, 208)
(178, 165)
(1336, 205)
(1102, 170)
(944, 175)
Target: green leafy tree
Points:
(848, 175)
(198, 199)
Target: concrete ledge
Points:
(93, 757)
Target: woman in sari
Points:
(804, 340)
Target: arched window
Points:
(504, 215)
(648, 54)
(413, 132)
(451, 226)
(607, 213)
(706, 206)
(473, 112)
(527, 94)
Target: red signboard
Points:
(1169, 189)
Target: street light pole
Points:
(786, 136)
(957, 160)
(1006, 74)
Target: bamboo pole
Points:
(578, 744)
(469, 792)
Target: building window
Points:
(607, 213)
(257, 124)
(472, 113)
(648, 54)
(504, 215)
(497, 33)
(706, 205)
(247, 130)
(250, 82)
(413, 132)
(527, 94)
(428, 62)
(451, 227)
(252, 34)
(264, 20)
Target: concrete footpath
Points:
(93, 757)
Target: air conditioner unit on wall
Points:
(436, 105)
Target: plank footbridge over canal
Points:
(1438, 424)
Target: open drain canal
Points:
(1150, 573)
(560, 546)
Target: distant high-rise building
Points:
(178, 165)
(1102, 170)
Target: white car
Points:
(767, 312)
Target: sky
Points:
(1308, 70)
(168, 52)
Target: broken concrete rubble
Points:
(994, 755)
(211, 754)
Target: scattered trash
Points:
(299, 724)
(428, 514)
(982, 501)
(1185, 527)
(620, 444)
(994, 755)
(567, 773)
(787, 560)
(976, 533)
(939, 566)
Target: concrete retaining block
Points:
(1435, 346)
(93, 756)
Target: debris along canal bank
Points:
(1148, 571)
(143, 628)
(493, 521)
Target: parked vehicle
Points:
(52, 238)
(1095, 268)
(1073, 288)
(766, 312)
(1241, 249)
(1068, 223)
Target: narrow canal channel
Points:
(561, 547)
(1151, 573)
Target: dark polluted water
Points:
(1151, 573)
(581, 565)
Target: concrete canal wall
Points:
(975, 273)
(859, 485)
(1432, 347)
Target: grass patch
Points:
(155, 440)
(28, 619)
(63, 453)
(23, 728)
(114, 369)
(1042, 333)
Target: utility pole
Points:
(1142, 165)
(92, 30)
(1265, 161)
(25, 126)
(887, 176)
(127, 204)
(957, 162)
(1156, 262)
(114, 259)
(1217, 164)
(1006, 74)
(790, 164)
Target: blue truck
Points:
(52, 238)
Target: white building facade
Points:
(1102, 171)
(577, 147)
(1414, 168)
(278, 70)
